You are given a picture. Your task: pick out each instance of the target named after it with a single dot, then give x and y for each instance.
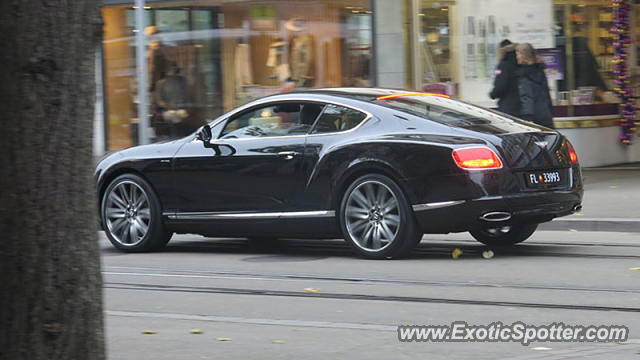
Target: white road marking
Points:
(583, 219)
(254, 321)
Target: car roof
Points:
(364, 94)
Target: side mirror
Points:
(204, 134)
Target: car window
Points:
(280, 119)
(457, 114)
(336, 118)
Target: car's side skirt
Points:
(249, 215)
(435, 205)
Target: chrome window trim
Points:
(267, 101)
(436, 205)
(244, 215)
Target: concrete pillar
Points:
(389, 44)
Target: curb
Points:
(593, 224)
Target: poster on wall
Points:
(483, 25)
(554, 67)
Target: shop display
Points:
(205, 57)
(302, 53)
(622, 44)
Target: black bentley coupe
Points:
(377, 167)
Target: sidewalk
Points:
(611, 201)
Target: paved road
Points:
(611, 201)
(255, 295)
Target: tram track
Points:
(146, 287)
(426, 249)
(129, 277)
(243, 275)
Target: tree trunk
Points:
(50, 281)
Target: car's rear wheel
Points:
(131, 214)
(376, 219)
(504, 235)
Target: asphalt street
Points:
(298, 299)
(611, 201)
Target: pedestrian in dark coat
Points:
(505, 84)
(535, 100)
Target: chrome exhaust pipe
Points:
(577, 208)
(495, 216)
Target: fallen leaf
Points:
(312, 290)
(277, 342)
(456, 253)
(578, 214)
(149, 332)
(635, 268)
(487, 254)
(223, 339)
(196, 331)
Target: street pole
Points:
(143, 119)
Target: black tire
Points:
(396, 229)
(505, 236)
(155, 237)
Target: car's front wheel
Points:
(131, 215)
(505, 235)
(376, 219)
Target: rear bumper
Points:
(529, 207)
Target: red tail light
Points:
(572, 153)
(477, 158)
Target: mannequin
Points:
(302, 53)
(275, 60)
(171, 99)
(156, 57)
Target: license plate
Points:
(543, 178)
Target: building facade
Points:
(197, 59)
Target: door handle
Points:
(288, 155)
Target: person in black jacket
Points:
(505, 85)
(535, 100)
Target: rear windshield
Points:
(458, 114)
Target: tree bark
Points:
(50, 280)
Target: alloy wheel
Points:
(372, 216)
(127, 213)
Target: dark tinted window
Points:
(338, 118)
(458, 114)
(280, 119)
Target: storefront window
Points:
(635, 34)
(206, 57)
(435, 44)
(275, 47)
(586, 45)
(183, 77)
(120, 84)
(459, 46)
